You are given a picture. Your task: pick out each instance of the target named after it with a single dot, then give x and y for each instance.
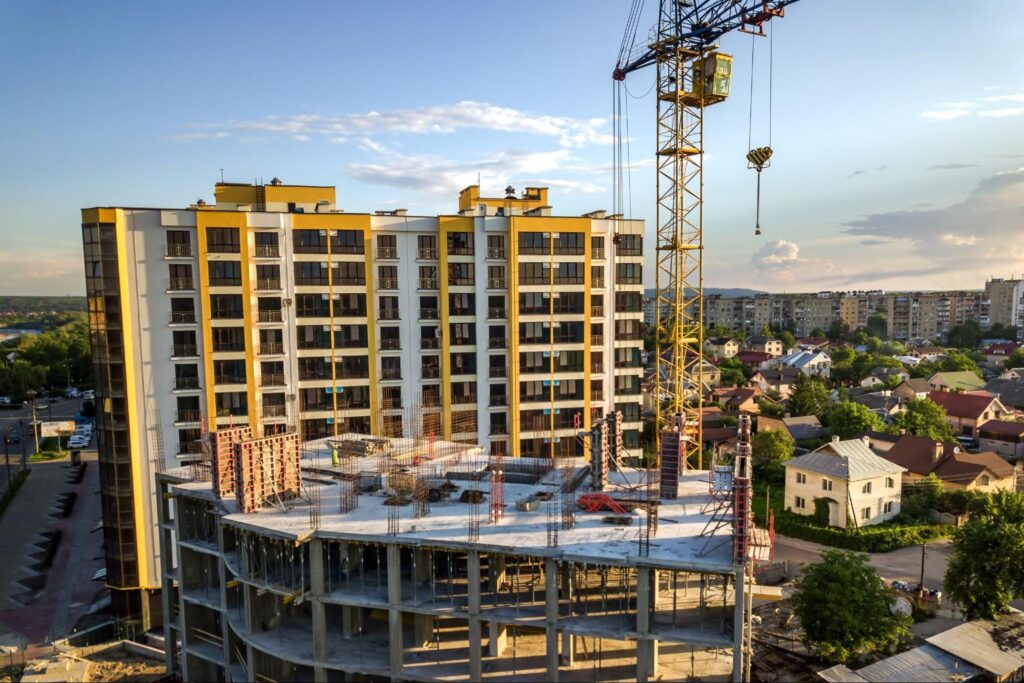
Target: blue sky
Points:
(898, 126)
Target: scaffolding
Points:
(496, 507)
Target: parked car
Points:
(78, 441)
(12, 438)
(5, 400)
(72, 392)
(89, 395)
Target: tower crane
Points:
(692, 74)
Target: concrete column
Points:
(394, 615)
(316, 580)
(497, 633)
(250, 662)
(738, 627)
(166, 557)
(551, 617)
(475, 632)
(423, 624)
(647, 650)
(568, 640)
(183, 624)
(222, 574)
(351, 617)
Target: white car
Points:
(89, 394)
(78, 441)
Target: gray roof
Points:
(806, 427)
(1010, 391)
(925, 664)
(994, 646)
(852, 460)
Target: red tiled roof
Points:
(1001, 349)
(716, 434)
(917, 454)
(966, 467)
(961, 405)
(753, 356)
(1003, 428)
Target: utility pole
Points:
(35, 423)
(7, 460)
(924, 553)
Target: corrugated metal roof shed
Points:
(994, 646)
(925, 664)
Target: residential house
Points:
(759, 342)
(736, 400)
(813, 343)
(798, 428)
(882, 403)
(880, 442)
(1000, 351)
(1009, 391)
(955, 468)
(717, 438)
(927, 352)
(754, 359)
(1012, 373)
(909, 389)
(908, 361)
(722, 347)
(879, 377)
(779, 380)
(858, 485)
(967, 412)
(1002, 436)
(955, 381)
(811, 363)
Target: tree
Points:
(873, 344)
(1015, 359)
(965, 336)
(771, 448)
(839, 329)
(734, 372)
(921, 497)
(809, 397)
(817, 332)
(925, 417)
(955, 361)
(787, 339)
(877, 326)
(986, 569)
(842, 354)
(843, 607)
(846, 420)
(1001, 331)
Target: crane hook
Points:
(759, 159)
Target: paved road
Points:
(903, 564)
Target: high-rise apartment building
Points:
(1006, 302)
(501, 325)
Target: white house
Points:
(811, 363)
(860, 488)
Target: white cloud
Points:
(41, 271)
(437, 119)
(960, 240)
(1016, 97)
(945, 114)
(1002, 113)
(948, 111)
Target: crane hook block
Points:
(759, 158)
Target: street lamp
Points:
(35, 424)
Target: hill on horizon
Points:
(722, 291)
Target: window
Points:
(350, 273)
(309, 273)
(426, 246)
(181, 276)
(460, 273)
(225, 273)
(890, 483)
(630, 245)
(826, 485)
(495, 246)
(866, 488)
(228, 338)
(801, 478)
(309, 241)
(348, 242)
(387, 246)
(569, 243)
(312, 306)
(461, 304)
(391, 367)
(222, 240)
(799, 503)
(984, 480)
(865, 513)
(628, 273)
(225, 306)
(233, 403)
(178, 243)
(534, 274)
(387, 277)
(534, 243)
(460, 243)
(266, 245)
(887, 508)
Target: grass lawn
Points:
(47, 456)
(772, 494)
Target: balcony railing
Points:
(267, 251)
(496, 283)
(428, 283)
(229, 347)
(597, 283)
(387, 252)
(179, 250)
(463, 341)
(271, 348)
(388, 283)
(186, 383)
(597, 367)
(272, 380)
(496, 343)
(596, 395)
(188, 416)
(190, 447)
(461, 281)
(498, 372)
(498, 401)
(389, 314)
(596, 339)
(460, 251)
(184, 350)
(496, 313)
(464, 399)
(427, 254)
(429, 314)
(597, 311)
(499, 430)
(390, 344)
(629, 251)
(181, 284)
(430, 343)
(275, 410)
(183, 317)
(431, 372)
(268, 284)
(391, 373)
(597, 253)
(229, 379)
(495, 253)
(269, 316)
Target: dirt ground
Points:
(124, 667)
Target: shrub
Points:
(881, 538)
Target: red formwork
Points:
(266, 471)
(224, 441)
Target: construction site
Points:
(416, 559)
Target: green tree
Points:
(809, 397)
(849, 419)
(787, 339)
(769, 409)
(839, 329)
(843, 354)
(873, 344)
(817, 332)
(21, 377)
(771, 448)
(877, 326)
(1001, 331)
(921, 497)
(986, 569)
(924, 417)
(965, 336)
(1015, 359)
(956, 361)
(843, 607)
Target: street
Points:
(903, 564)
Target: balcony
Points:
(183, 317)
(181, 284)
(269, 316)
(188, 416)
(430, 343)
(184, 350)
(596, 395)
(495, 343)
(499, 430)
(428, 283)
(597, 283)
(267, 251)
(186, 383)
(497, 401)
(597, 253)
(597, 367)
(391, 373)
(178, 251)
(429, 314)
(463, 341)
(390, 344)
(275, 410)
(389, 314)
(431, 372)
(390, 253)
(388, 283)
(495, 371)
(271, 348)
(460, 251)
(463, 399)
(228, 347)
(461, 281)
(496, 313)
(229, 379)
(272, 380)
(496, 283)
(495, 253)
(597, 311)
(268, 285)
(190, 447)
(426, 254)
(596, 339)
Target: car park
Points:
(78, 441)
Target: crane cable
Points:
(760, 158)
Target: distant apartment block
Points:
(1006, 302)
(500, 324)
